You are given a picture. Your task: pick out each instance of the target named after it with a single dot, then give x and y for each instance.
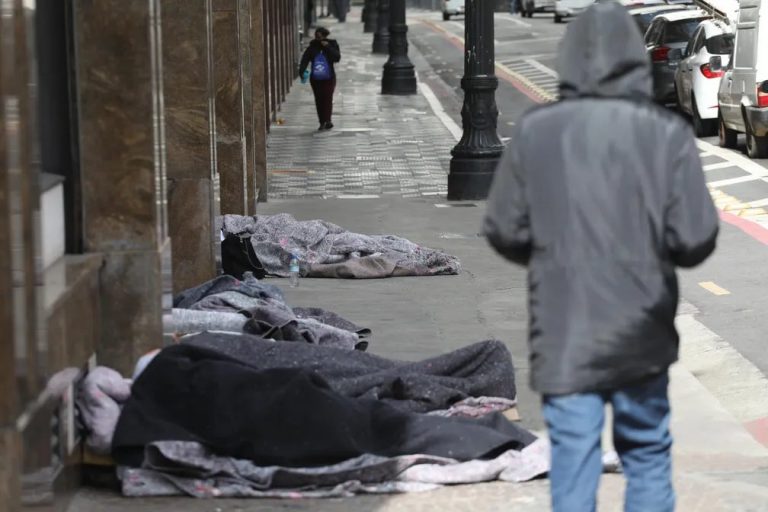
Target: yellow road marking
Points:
(714, 289)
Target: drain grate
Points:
(460, 236)
(455, 205)
(374, 158)
(403, 141)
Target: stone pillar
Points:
(122, 141)
(247, 77)
(10, 466)
(284, 43)
(190, 139)
(274, 82)
(230, 129)
(260, 100)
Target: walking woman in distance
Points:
(320, 57)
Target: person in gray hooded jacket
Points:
(602, 195)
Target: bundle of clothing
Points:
(250, 306)
(229, 415)
(327, 250)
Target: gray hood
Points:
(603, 55)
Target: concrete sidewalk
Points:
(383, 170)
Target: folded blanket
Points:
(99, 399)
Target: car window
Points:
(653, 32)
(643, 21)
(680, 31)
(693, 43)
(720, 45)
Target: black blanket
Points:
(482, 369)
(287, 417)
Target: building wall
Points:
(159, 128)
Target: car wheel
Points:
(728, 137)
(702, 127)
(757, 147)
(446, 16)
(558, 18)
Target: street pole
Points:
(399, 76)
(476, 155)
(371, 15)
(381, 37)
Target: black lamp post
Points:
(399, 76)
(476, 155)
(381, 37)
(370, 15)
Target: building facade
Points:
(126, 129)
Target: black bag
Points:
(238, 257)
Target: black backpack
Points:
(238, 257)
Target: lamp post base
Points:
(398, 80)
(470, 178)
(381, 43)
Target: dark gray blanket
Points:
(327, 250)
(249, 286)
(482, 369)
(217, 305)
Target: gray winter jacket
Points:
(601, 195)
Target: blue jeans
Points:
(641, 438)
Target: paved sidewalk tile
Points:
(380, 145)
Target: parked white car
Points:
(743, 94)
(696, 83)
(452, 8)
(669, 31)
(569, 8)
(532, 6)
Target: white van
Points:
(743, 94)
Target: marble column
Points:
(120, 94)
(274, 77)
(260, 100)
(231, 151)
(21, 375)
(190, 139)
(247, 77)
(9, 441)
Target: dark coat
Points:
(602, 195)
(332, 53)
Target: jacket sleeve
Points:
(507, 223)
(692, 223)
(333, 51)
(308, 55)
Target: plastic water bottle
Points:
(305, 76)
(294, 271)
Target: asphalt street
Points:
(730, 292)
